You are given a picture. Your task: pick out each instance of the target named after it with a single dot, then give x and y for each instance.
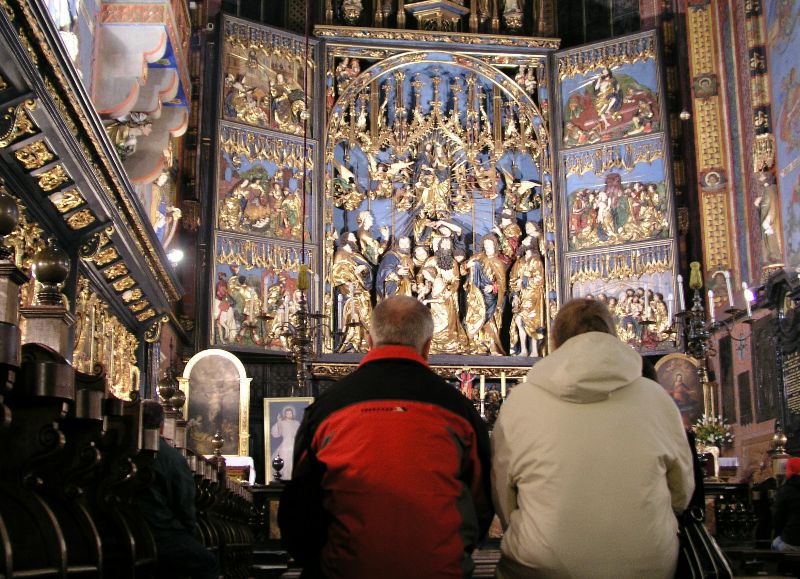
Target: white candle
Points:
(502, 384)
(679, 289)
(670, 306)
(711, 306)
(483, 386)
(747, 299)
(727, 275)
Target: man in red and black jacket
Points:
(391, 476)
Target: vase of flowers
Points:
(712, 433)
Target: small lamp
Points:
(778, 455)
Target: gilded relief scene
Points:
(263, 72)
(438, 186)
(609, 93)
(255, 294)
(260, 184)
(638, 288)
(616, 194)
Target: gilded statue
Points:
(347, 193)
(396, 271)
(126, 131)
(526, 284)
(371, 248)
(486, 290)
(352, 278)
(442, 276)
(508, 233)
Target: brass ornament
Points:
(153, 333)
(81, 219)
(66, 201)
(115, 271)
(52, 178)
(138, 306)
(90, 248)
(34, 155)
(106, 256)
(146, 315)
(122, 284)
(21, 123)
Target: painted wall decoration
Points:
(438, 185)
(783, 45)
(255, 295)
(609, 92)
(264, 77)
(616, 194)
(638, 288)
(260, 184)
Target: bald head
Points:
(401, 321)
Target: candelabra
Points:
(697, 331)
(487, 401)
(300, 335)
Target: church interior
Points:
(202, 201)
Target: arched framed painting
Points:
(217, 400)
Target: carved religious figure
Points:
(371, 248)
(768, 211)
(352, 277)
(442, 272)
(526, 285)
(486, 290)
(396, 271)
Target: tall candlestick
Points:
(727, 275)
(679, 289)
(711, 306)
(747, 295)
(502, 384)
(483, 386)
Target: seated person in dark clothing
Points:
(786, 510)
(168, 507)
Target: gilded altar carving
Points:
(145, 315)
(34, 155)
(255, 291)
(265, 81)
(19, 121)
(106, 256)
(121, 285)
(715, 231)
(262, 180)
(438, 181)
(101, 340)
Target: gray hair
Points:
(401, 321)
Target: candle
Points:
(727, 275)
(483, 386)
(711, 305)
(681, 301)
(670, 306)
(748, 295)
(502, 384)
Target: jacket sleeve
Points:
(182, 490)
(504, 491)
(680, 466)
(480, 483)
(301, 517)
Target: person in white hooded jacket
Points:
(590, 460)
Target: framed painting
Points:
(282, 418)
(217, 400)
(677, 374)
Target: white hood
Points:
(587, 368)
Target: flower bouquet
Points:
(712, 431)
